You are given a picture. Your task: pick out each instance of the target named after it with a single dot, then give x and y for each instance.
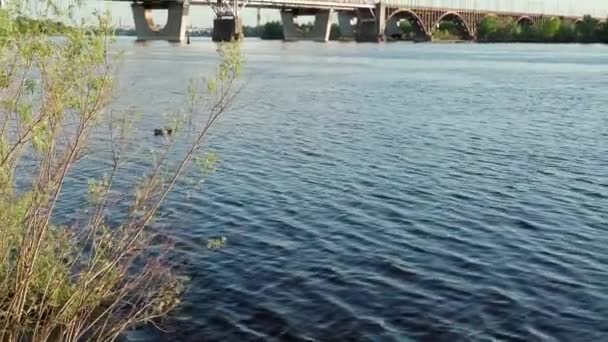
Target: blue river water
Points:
(390, 192)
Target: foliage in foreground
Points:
(92, 280)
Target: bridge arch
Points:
(318, 31)
(393, 21)
(174, 28)
(455, 17)
(525, 20)
(152, 25)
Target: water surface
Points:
(391, 192)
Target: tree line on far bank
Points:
(556, 30)
(490, 29)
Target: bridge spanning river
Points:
(362, 20)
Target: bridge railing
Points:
(548, 7)
(568, 8)
(296, 3)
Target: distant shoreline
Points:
(490, 31)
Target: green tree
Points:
(93, 280)
(252, 31)
(494, 29)
(525, 32)
(559, 30)
(602, 32)
(487, 29)
(586, 29)
(407, 28)
(549, 30)
(272, 30)
(566, 32)
(449, 30)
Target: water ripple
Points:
(448, 193)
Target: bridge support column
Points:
(175, 28)
(319, 32)
(366, 26)
(347, 31)
(381, 20)
(226, 29)
(371, 24)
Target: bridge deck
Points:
(275, 4)
(347, 5)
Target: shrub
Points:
(93, 279)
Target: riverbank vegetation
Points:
(93, 276)
(500, 30)
(490, 29)
(448, 30)
(272, 30)
(556, 30)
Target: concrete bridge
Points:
(361, 20)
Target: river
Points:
(389, 192)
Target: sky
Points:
(202, 16)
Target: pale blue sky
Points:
(202, 16)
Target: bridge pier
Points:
(381, 20)
(175, 28)
(366, 26)
(371, 23)
(347, 30)
(319, 32)
(227, 29)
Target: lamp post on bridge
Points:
(259, 17)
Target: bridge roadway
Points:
(361, 20)
(310, 4)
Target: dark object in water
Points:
(163, 131)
